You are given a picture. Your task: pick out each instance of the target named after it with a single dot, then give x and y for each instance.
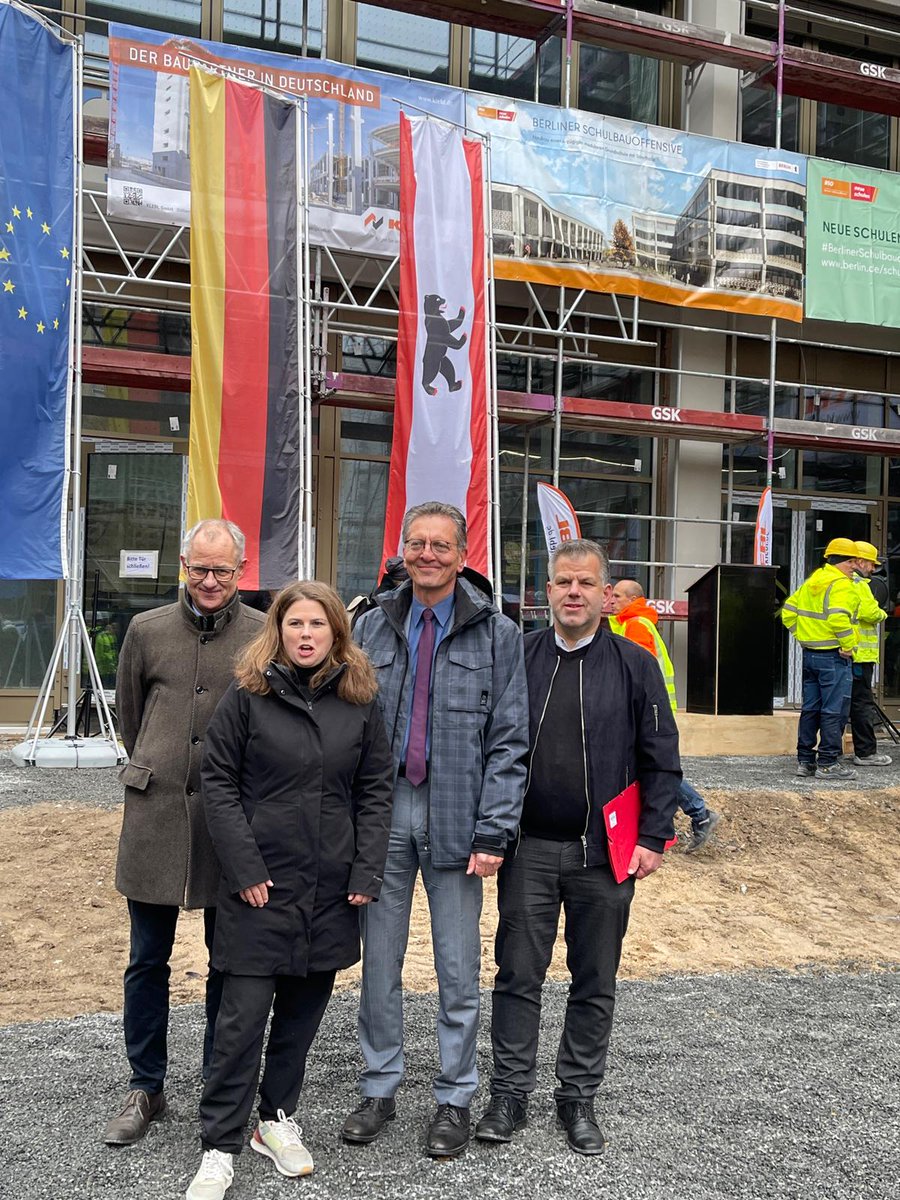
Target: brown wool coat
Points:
(174, 668)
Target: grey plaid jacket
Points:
(479, 722)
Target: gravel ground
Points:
(101, 789)
(737, 1087)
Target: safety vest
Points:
(662, 654)
(869, 615)
(821, 613)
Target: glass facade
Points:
(403, 43)
(27, 631)
(172, 16)
(512, 66)
(273, 25)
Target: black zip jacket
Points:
(629, 732)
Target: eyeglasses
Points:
(222, 574)
(417, 545)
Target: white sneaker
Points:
(214, 1178)
(873, 760)
(280, 1141)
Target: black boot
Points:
(448, 1133)
(577, 1118)
(500, 1120)
(368, 1119)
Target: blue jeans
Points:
(827, 680)
(454, 902)
(691, 802)
(146, 1014)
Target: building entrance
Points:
(133, 507)
(803, 527)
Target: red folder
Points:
(621, 816)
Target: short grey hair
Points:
(581, 548)
(436, 508)
(209, 528)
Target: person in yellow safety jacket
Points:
(821, 615)
(632, 617)
(869, 616)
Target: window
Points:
(853, 136)
(618, 84)
(403, 43)
(272, 25)
(172, 16)
(509, 65)
(729, 190)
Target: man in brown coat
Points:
(175, 665)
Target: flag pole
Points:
(494, 542)
(306, 451)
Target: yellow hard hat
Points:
(868, 552)
(843, 547)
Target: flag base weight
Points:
(68, 753)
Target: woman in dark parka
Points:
(296, 782)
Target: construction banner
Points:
(589, 201)
(37, 261)
(440, 440)
(245, 458)
(853, 244)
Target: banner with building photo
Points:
(353, 120)
(440, 440)
(594, 202)
(852, 244)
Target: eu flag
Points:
(37, 220)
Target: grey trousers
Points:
(454, 901)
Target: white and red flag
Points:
(762, 541)
(557, 517)
(440, 443)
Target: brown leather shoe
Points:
(131, 1123)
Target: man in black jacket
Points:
(599, 719)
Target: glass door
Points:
(133, 506)
(802, 528)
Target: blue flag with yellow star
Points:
(37, 221)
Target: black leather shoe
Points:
(367, 1120)
(448, 1133)
(129, 1125)
(500, 1120)
(583, 1134)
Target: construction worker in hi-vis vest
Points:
(869, 616)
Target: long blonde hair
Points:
(357, 684)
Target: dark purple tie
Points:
(416, 769)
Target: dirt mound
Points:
(790, 880)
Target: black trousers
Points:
(544, 877)
(146, 1017)
(227, 1099)
(862, 710)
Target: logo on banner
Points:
(439, 340)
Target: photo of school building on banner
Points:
(594, 202)
(577, 199)
(853, 244)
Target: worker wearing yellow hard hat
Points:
(821, 614)
(869, 615)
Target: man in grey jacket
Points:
(452, 691)
(175, 665)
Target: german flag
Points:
(245, 425)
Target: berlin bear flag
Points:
(37, 226)
(440, 443)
